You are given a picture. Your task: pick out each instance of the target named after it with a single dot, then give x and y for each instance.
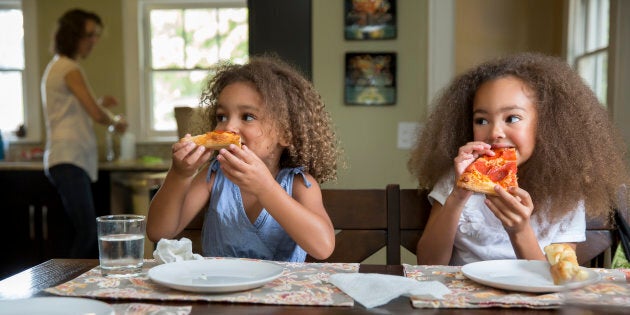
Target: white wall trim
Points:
(441, 46)
(132, 68)
(32, 93)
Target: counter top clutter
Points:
(144, 164)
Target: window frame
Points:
(30, 75)
(137, 64)
(578, 36)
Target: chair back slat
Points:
(361, 216)
(414, 214)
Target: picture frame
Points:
(370, 78)
(370, 19)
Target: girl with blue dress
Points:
(262, 200)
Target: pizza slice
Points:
(487, 171)
(563, 263)
(215, 140)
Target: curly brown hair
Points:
(293, 105)
(579, 154)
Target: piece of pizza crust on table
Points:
(563, 263)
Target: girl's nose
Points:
(232, 125)
(497, 132)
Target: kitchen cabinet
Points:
(34, 226)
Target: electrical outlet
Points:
(407, 134)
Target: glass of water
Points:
(121, 244)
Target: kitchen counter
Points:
(37, 214)
(133, 166)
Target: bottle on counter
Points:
(127, 147)
(110, 155)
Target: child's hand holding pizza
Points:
(513, 207)
(188, 157)
(495, 175)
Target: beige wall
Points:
(369, 134)
(491, 28)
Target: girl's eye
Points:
(480, 121)
(221, 118)
(248, 117)
(512, 119)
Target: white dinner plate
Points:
(520, 275)
(215, 275)
(55, 306)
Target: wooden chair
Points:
(363, 217)
(600, 237)
(414, 208)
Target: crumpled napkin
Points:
(372, 289)
(174, 250)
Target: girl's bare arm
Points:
(182, 195)
(514, 208)
(435, 246)
(302, 216)
(81, 90)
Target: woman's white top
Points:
(481, 236)
(69, 128)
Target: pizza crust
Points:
(563, 263)
(215, 140)
(467, 181)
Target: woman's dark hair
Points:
(71, 29)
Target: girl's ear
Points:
(283, 139)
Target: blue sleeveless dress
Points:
(227, 232)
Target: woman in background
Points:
(71, 157)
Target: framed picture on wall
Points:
(369, 19)
(370, 78)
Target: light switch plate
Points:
(407, 134)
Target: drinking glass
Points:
(600, 298)
(121, 244)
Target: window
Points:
(19, 83)
(178, 43)
(589, 43)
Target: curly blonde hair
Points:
(291, 102)
(579, 154)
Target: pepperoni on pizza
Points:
(487, 171)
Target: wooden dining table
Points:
(32, 282)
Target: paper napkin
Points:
(174, 250)
(371, 289)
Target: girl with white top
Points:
(570, 161)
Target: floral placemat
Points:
(150, 309)
(612, 289)
(300, 284)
